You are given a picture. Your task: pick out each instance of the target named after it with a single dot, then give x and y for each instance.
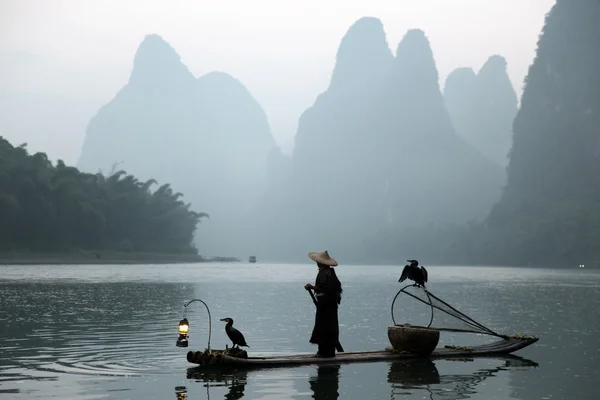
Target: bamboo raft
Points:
(239, 358)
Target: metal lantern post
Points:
(184, 326)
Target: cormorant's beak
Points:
(223, 319)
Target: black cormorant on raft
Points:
(415, 273)
(228, 359)
(236, 337)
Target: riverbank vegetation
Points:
(57, 208)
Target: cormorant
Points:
(415, 273)
(235, 336)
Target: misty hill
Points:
(549, 211)
(273, 228)
(378, 151)
(433, 176)
(482, 107)
(148, 119)
(334, 150)
(208, 136)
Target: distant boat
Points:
(252, 259)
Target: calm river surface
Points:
(109, 332)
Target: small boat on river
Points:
(221, 358)
(407, 341)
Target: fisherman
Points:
(328, 291)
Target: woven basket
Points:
(414, 339)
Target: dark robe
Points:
(326, 330)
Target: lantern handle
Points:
(209, 317)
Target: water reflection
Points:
(235, 381)
(181, 392)
(325, 385)
(409, 376)
(88, 329)
(413, 374)
(89, 332)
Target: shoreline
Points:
(135, 258)
(107, 258)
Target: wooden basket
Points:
(414, 339)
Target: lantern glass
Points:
(184, 327)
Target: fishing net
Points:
(442, 316)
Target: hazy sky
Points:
(283, 51)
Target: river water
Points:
(109, 332)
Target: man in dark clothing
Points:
(328, 291)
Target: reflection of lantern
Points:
(184, 327)
(181, 392)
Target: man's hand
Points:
(308, 286)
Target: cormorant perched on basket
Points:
(415, 273)
(234, 335)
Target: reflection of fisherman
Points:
(328, 290)
(325, 385)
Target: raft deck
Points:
(500, 347)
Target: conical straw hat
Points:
(322, 258)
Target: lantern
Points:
(184, 327)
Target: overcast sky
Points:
(283, 51)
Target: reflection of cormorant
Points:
(235, 380)
(415, 273)
(325, 384)
(234, 335)
(423, 374)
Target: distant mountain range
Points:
(378, 148)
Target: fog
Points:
(81, 52)
(84, 82)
